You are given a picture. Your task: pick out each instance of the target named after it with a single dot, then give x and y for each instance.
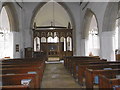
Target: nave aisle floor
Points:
(56, 76)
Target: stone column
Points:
(119, 40)
(82, 50)
(107, 50)
(77, 44)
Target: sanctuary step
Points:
(53, 59)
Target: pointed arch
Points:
(110, 18)
(41, 4)
(86, 23)
(90, 33)
(13, 17)
(6, 37)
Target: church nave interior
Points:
(59, 44)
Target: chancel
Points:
(59, 44)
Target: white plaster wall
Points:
(119, 39)
(26, 20)
(74, 8)
(18, 37)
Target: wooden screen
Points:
(54, 42)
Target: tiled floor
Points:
(56, 76)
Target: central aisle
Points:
(56, 76)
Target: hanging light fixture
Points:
(53, 16)
(53, 13)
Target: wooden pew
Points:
(37, 71)
(71, 63)
(68, 62)
(15, 80)
(82, 68)
(22, 62)
(69, 58)
(110, 80)
(24, 66)
(16, 87)
(75, 65)
(93, 71)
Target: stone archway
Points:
(12, 14)
(90, 18)
(67, 9)
(38, 7)
(110, 16)
(86, 23)
(108, 28)
(14, 28)
(60, 5)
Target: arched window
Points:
(37, 44)
(63, 42)
(93, 38)
(6, 37)
(43, 40)
(62, 39)
(50, 39)
(69, 43)
(56, 39)
(53, 40)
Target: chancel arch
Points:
(54, 29)
(65, 8)
(36, 44)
